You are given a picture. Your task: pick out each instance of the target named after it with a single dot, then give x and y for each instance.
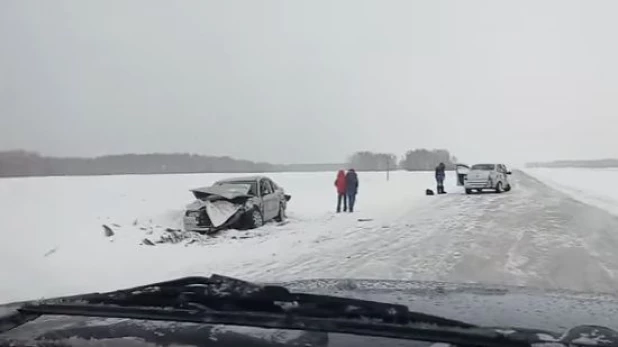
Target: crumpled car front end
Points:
(215, 209)
(204, 217)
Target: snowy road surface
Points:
(53, 243)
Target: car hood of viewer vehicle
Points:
(496, 306)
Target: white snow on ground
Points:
(53, 242)
(595, 187)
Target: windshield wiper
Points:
(224, 300)
(225, 294)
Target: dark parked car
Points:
(241, 203)
(223, 311)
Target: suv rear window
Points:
(484, 167)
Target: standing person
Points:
(351, 180)
(340, 183)
(440, 175)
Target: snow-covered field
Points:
(596, 187)
(54, 243)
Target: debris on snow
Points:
(108, 231)
(50, 252)
(115, 225)
(135, 223)
(147, 242)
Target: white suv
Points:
(487, 176)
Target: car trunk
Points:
(478, 175)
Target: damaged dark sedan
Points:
(238, 203)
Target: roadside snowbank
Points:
(591, 186)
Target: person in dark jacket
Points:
(351, 180)
(340, 183)
(440, 175)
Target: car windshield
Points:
(301, 142)
(483, 167)
(244, 187)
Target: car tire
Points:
(499, 187)
(281, 215)
(479, 191)
(256, 219)
(468, 191)
(508, 188)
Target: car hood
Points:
(222, 191)
(494, 306)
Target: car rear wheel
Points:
(257, 220)
(508, 188)
(281, 215)
(468, 191)
(499, 188)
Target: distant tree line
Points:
(413, 160)
(598, 163)
(369, 161)
(24, 163)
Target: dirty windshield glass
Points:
(320, 144)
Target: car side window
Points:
(265, 187)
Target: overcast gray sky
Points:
(310, 81)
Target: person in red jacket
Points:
(340, 183)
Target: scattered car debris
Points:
(51, 251)
(147, 242)
(108, 231)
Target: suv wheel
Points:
(499, 187)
